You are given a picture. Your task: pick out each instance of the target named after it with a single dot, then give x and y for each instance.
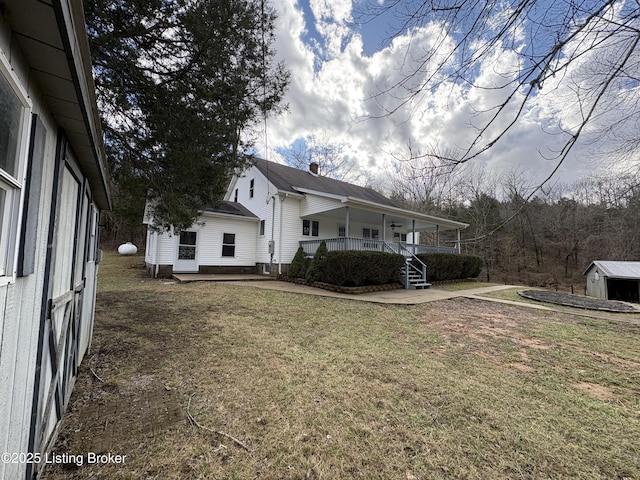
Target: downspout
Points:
(155, 256)
(273, 228)
(280, 236)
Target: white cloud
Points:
(336, 96)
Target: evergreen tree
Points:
(179, 83)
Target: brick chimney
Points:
(313, 168)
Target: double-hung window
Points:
(228, 244)
(310, 228)
(14, 126)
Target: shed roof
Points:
(616, 269)
(230, 208)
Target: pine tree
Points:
(178, 84)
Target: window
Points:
(235, 196)
(187, 246)
(251, 183)
(13, 139)
(228, 244)
(342, 231)
(262, 228)
(310, 227)
(402, 237)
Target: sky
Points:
(339, 69)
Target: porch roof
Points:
(366, 211)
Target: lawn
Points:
(286, 386)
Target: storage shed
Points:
(53, 187)
(614, 280)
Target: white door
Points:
(186, 254)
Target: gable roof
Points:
(616, 269)
(291, 179)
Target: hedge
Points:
(299, 265)
(315, 272)
(451, 266)
(354, 268)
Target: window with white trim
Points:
(14, 126)
(228, 244)
(262, 227)
(251, 185)
(310, 228)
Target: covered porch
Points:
(355, 224)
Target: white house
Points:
(614, 280)
(271, 209)
(53, 185)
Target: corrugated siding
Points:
(613, 269)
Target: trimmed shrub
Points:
(299, 264)
(451, 266)
(353, 268)
(315, 272)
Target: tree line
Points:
(546, 240)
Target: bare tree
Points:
(330, 156)
(585, 51)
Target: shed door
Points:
(186, 253)
(61, 326)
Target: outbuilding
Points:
(53, 187)
(614, 280)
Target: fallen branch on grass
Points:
(92, 371)
(226, 435)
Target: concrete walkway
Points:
(398, 297)
(417, 297)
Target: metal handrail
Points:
(420, 269)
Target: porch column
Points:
(346, 222)
(438, 236)
(413, 235)
(458, 240)
(384, 227)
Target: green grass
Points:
(455, 287)
(337, 389)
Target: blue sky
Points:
(338, 66)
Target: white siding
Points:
(209, 249)
(289, 232)
(313, 204)
(21, 301)
(261, 205)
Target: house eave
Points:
(229, 216)
(53, 40)
(379, 208)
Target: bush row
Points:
(349, 268)
(450, 266)
(353, 268)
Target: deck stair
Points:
(413, 273)
(413, 278)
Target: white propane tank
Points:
(127, 249)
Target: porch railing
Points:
(351, 243)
